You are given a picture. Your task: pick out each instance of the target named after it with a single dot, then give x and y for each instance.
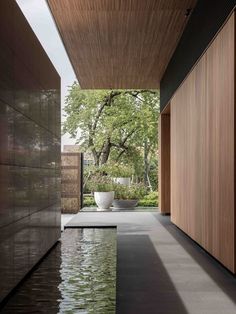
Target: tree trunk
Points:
(106, 152)
(95, 158)
(145, 158)
(149, 183)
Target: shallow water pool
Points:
(78, 276)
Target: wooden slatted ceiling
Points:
(120, 43)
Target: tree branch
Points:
(120, 154)
(106, 103)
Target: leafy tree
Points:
(114, 125)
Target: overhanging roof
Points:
(120, 43)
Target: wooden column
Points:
(164, 163)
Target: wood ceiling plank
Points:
(120, 43)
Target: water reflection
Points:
(78, 276)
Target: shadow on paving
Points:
(221, 276)
(143, 285)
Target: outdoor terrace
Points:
(159, 270)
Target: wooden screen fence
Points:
(71, 182)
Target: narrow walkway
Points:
(161, 270)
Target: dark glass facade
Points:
(29, 149)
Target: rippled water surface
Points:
(78, 276)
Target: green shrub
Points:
(100, 183)
(147, 203)
(125, 192)
(89, 201)
(149, 200)
(151, 196)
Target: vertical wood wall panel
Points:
(202, 150)
(164, 163)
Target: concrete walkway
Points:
(160, 269)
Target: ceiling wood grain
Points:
(120, 43)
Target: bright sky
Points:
(40, 19)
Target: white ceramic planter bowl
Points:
(104, 200)
(124, 181)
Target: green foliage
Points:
(153, 170)
(134, 191)
(114, 125)
(117, 170)
(100, 183)
(152, 196)
(89, 201)
(149, 200)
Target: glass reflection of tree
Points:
(27, 141)
(6, 133)
(34, 133)
(50, 111)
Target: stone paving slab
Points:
(160, 269)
